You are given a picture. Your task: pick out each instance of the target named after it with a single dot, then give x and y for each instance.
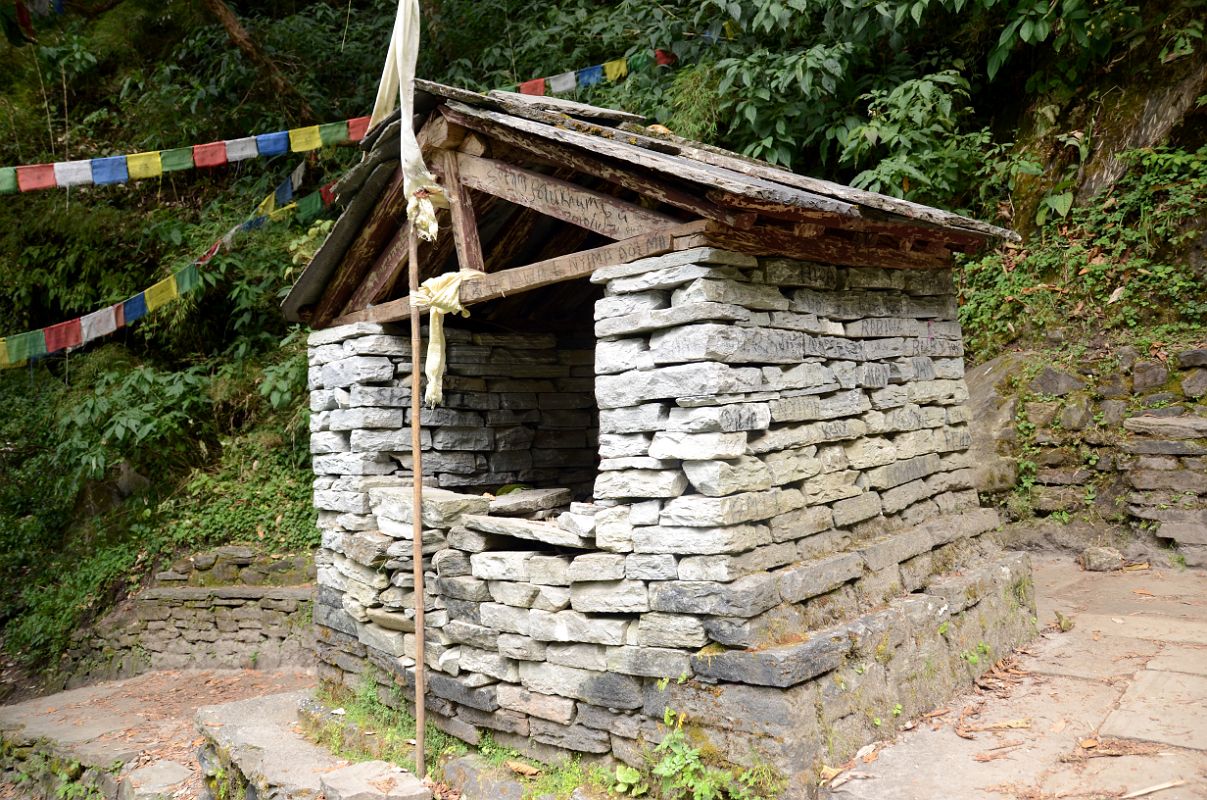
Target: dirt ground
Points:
(1115, 706)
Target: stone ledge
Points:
(229, 593)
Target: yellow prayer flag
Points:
(161, 293)
(302, 139)
(615, 70)
(144, 165)
(3, 353)
(267, 205)
(283, 213)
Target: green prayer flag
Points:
(26, 345)
(8, 180)
(188, 279)
(176, 160)
(310, 207)
(334, 132)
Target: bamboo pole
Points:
(417, 506)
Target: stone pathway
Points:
(148, 722)
(1117, 704)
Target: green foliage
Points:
(898, 96)
(1112, 265)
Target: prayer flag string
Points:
(141, 166)
(17, 349)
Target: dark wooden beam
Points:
(585, 163)
(560, 199)
(361, 256)
(493, 285)
(465, 224)
(765, 240)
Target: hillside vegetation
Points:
(190, 428)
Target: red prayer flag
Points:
(37, 176)
(664, 58)
(119, 314)
(63, 335)
(210, 253)
(209, 155)
(535, 86)
(357, 128)
(328, 193)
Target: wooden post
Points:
(417, 504)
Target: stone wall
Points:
(241, 627)
(517, 409)
(782, 506)
(1120, 440)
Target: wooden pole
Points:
(417, 505)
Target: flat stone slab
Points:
(528, 501)
(156, 781)
(373, 780)
(1146, 711)
(260, 736)
(531, 530)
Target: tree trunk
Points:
(242, 39)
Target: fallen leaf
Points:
(1059, 726)
(1116, 295)
(1143, 593)
(872, 756)
(520, 768)
(1136, 567)
(828, 774)
(1087, 744)
(1117, 620)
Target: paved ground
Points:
(1116, 705)
(147, 722)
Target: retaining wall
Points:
(246, 627)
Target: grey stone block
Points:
(745, 597)
(777, 666)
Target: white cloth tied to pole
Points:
(440, 295)
(398, 84)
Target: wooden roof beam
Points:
(493, 285)
(828, 249)
(560, 199)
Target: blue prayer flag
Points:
(273, 144)
(589, 76)
(135, 308)
(109, 170)
(253, 223)
(284, 192)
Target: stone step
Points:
(257, 744)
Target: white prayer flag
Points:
(73, 173)
(98, 324)
(564, 83)
(239, 149)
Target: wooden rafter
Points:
(465, 224)
(554, 153)
(494, 285)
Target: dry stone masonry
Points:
(781, 541)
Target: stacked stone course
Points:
(233, 627)
(782, 497)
